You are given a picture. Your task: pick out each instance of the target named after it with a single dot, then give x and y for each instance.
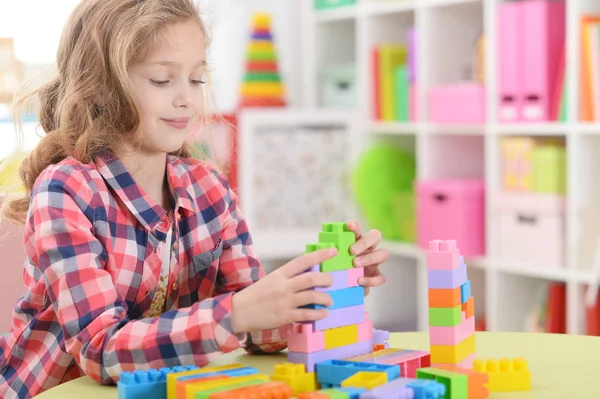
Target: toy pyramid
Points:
(347, 330)
(451, 307)
(262, 85)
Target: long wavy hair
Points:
(87, 106)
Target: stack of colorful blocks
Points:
(347, 330)
(262, 86)
(451, 307)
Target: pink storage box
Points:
(452, 210)
(457, 103)
(532, 229)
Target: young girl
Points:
(137, 255)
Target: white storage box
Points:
(532, 229)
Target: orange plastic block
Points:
(476, 381)
(444, 297)
(469, 308)
(312, 395)
(269, 390)
(378, 347)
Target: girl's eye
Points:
(159, 82)
(198, 82)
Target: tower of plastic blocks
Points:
(262, 85)
(347, 330)
(451, 307)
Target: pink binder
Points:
(509, 62)
(543, 40)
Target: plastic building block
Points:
(378, 347)
(467, 363)
(505, 375)
(333, 372)
(447, 278)
(452, 354)
(343, 238)
(396, 389)
(310, 359)
(181, 385)
(380, 336)
(427, 389)
(176, 379)
(192, 390)
(445, 297)
(476, 381)
(341, 336)
(296, 377)
(147, 384)
(340, 318)
(343, 279)
(343, 298)
(312, 395)
(456, 384)
(271, 390)
(443, 255)
(469, 308)
(445, 317)
(452, 335)
(302, 337)
(366, 379)
(465, 291)
(205, 393)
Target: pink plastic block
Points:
(402, 356)
(302, 337)
(340, 318)
(452, 209)
(443, 255)
(466, 363)
(344, 352)
(447, 278)
(452, 335)
(543, 41)
(510, 54)
(457, 103)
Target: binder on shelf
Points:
(376, 76)
(510, 84)
(543, 41)
(391, 56)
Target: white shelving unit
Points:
(504, 291)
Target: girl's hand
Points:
(275, 300)
(368, 256)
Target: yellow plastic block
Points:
(263, 89)
(366, 379)
(261, 47)
(505, 375)
(192, 389)
(296, 377)
(452, 354)
(172, 377)
(341, 336)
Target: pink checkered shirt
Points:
(94, 242)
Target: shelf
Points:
(529, 270)
(533, 129)
(336, 14)
(443, 3)
(455, 129)
(390, 7)
(591, 128)
(394, 128)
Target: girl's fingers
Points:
(374, 281)
(306, 281)
(310, 297)
(376, 257)
(367, 242)
(300, 315)
(306, 261)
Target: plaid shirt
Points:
(94, 242)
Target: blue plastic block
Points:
(465, 291)
(147, 384)
(353, 393)
(344, 298)
(427, 389)
(241, 371)
(333, 372)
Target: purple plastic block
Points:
(340, 318)
(341, 279)
(396, 389)
(344, 352)
(380, 336)
(412, 55)
(448, 278)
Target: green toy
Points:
(383, 187)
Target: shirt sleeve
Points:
(91, 313)
(239, 268)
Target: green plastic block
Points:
(206, 393)
(334, 393)
(261, 56)
(262, 77)
(342, 238)
(456, 384)
(550, 170)
(445, 317)
(326, 4)
(319, 246)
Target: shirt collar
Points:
(146, 210)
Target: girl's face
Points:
(168, 87)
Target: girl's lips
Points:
(177, 123)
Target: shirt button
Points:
(174, 286)
(175, 245)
